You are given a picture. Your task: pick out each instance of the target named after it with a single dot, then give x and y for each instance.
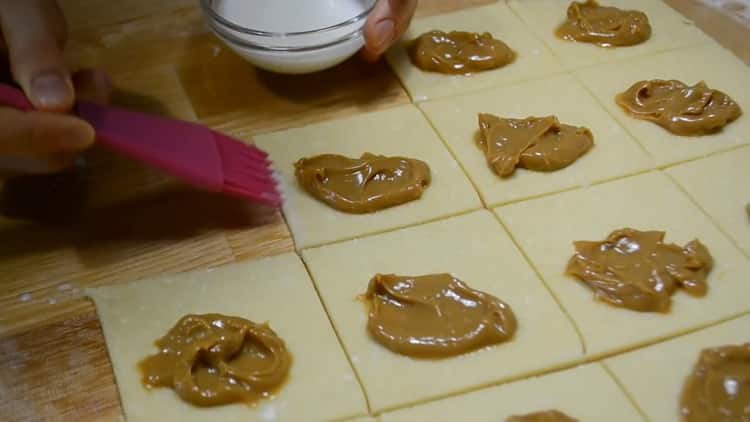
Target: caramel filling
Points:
(679, 108)
(637, 270)
(459, 52)
(435, 316)
(534, 143)
(213, 359)
(543, 416)
(369, 183)
(718, 389)
(605, 26)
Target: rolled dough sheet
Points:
(614, 153)
(713, 64)
(654, 376)
(670, 30)
(474, 248)
(546, 228)
(719, 184)
(399, 131)
(321, 383)
(533, 58)
(594, 397)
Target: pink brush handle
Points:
(131, 134)
(182, 149)
(14, 97)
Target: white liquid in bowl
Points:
(293, 53)
(289, 15)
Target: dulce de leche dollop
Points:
(718, 389)
(459, 52)
(361, 185)
(435, 316)
(636, 270)
(534, 143)
(213, 359)
(679, 108)
(543, 416)
(605, 26)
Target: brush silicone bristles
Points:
(247, 171)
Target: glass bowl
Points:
(290, 36)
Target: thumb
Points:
(34, 31)
(386, 23)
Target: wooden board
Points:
(113, 221)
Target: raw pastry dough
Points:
(594, 397)
(670, 30)
(400, 131)
(136, 314)
(719, 186)
(614, 152)
(654, 376)
(718, 67)
(474, 248)
(545, 229)
(533, 59)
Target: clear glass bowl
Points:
(290, 36)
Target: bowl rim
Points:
(233, 39)
(206, 5)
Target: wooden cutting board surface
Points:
(111, 221)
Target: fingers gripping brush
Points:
(188, 151)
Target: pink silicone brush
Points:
(188, 151)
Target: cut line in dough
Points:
(719, 68)
(595, 397)
(646, 202)
(474, 248)
(654, 376)
(533, 59)
(670, 30)
(718, 184)
(399, 131)
(613, 155)
(134, 315)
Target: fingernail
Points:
(383, 33)
(49, 90)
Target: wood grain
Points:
(75, 379)
(111, 220)
(85, 14)
(727, 32)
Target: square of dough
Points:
(533, 59)
(401, 131)
(475, 249)
(596, 397)
(719, 184)
(277, 290)
(718, 67)
(654, 376)
(546, 228)
(614, 153)
(670, 30)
